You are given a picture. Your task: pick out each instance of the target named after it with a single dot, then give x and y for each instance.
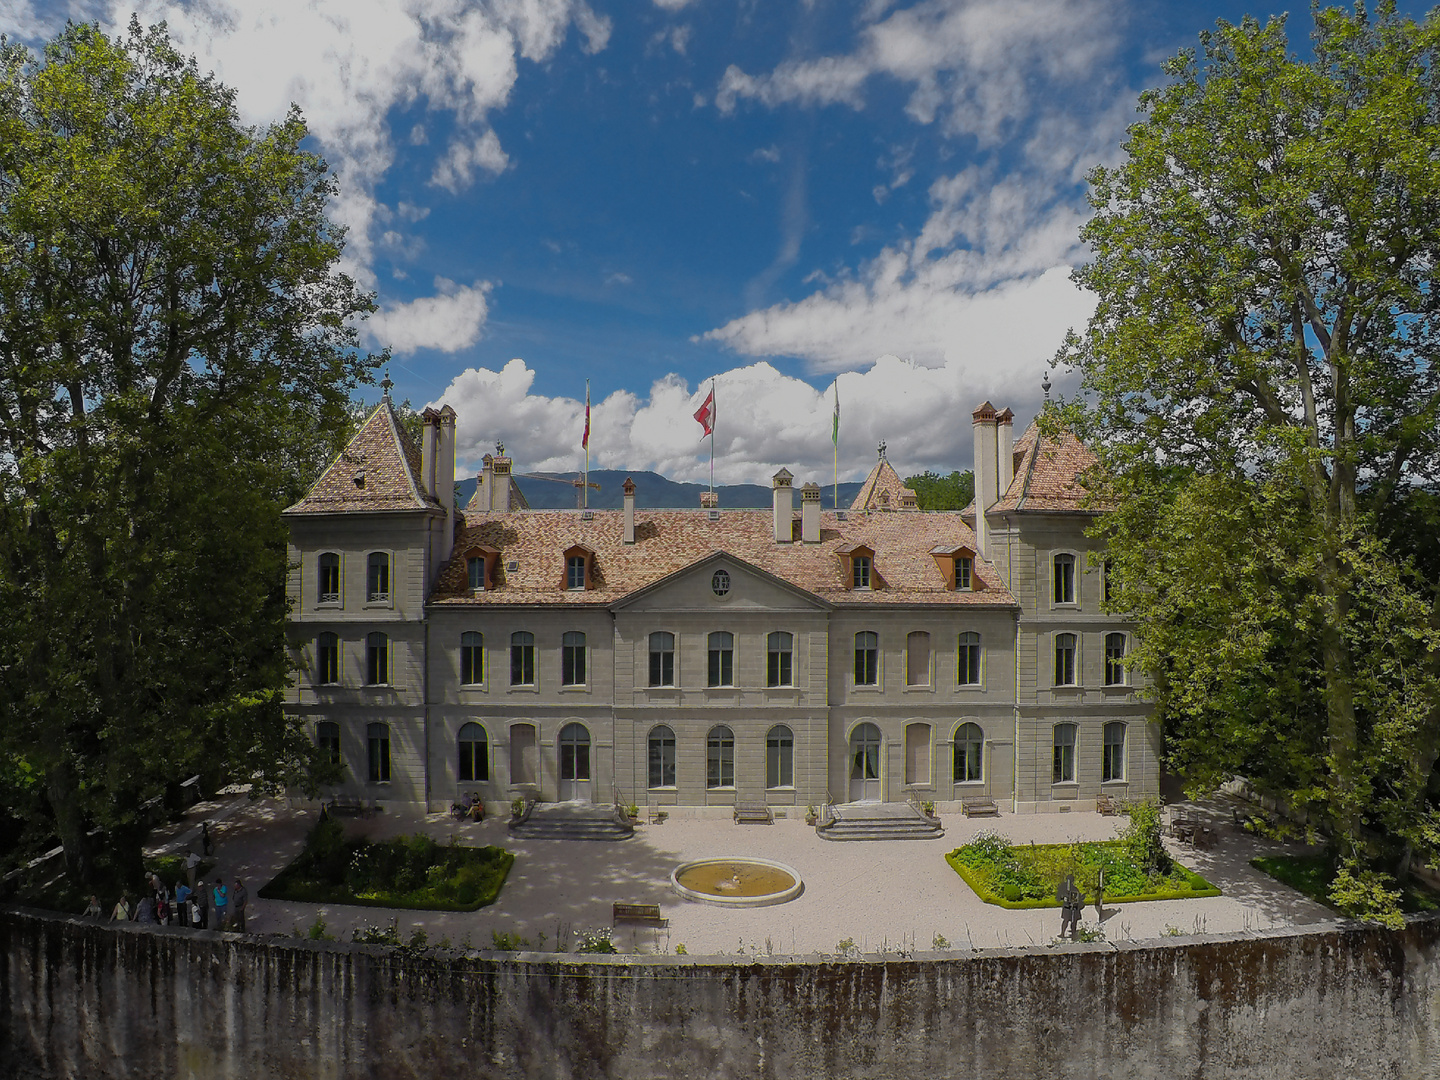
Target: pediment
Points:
(693, 588)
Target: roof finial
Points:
(499, 447)
(386, 384)
(880, 449)
(1046, 386)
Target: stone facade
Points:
(693, 659)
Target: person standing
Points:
(192, 863)
(205, 845)
(200, 916)
(220, 898)
(182, 904)
(92, 909)
(237, 906)
(122, 909)
(1069, 913)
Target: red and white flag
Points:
(706, 414)
(585, 439)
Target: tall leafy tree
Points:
(936, 492)
(175, 345)
(1263, 395)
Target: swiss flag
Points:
(706, 414)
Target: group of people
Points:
(470, 808)
(192, 903)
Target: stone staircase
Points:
(879, 821)
(572, 821)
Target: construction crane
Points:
(579, 484)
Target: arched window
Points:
(967, 660)
(780, 757)
(1114, 659)
(377, 659)
(329, 578)
(327, 738)
(662, 757)
(867, 658)
(327, 659)
(1064, 659)
(662, 658)
(1064, 770)
(572, 658)
(1114, 763)
(969, 760)
(475, 569)
(522, 658)
(1064, 579)
(378, 739)
(720, 758)
(917, 659)
(472, 658)
(474, 754)
(377, 577)
(778, 649)
(722, 658)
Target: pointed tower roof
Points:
(378, 471)
(1047, 473)
(884, 490)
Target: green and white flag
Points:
(835, 423)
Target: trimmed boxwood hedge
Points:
(410, 872)
(990, 864)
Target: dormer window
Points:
(579, 568)
(475, 567)
(575, 572)
(860, 570)
(964, 567)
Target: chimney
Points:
(445, 478)
(629, 510)
(810, 513)
(1005, 451)
(709, 500)
(429, 445)
(782, 494)
(500, 480)
(985, 473)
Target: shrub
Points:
(1141, 839)
(596, 941)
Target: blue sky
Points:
(652, 193)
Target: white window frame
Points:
(1073, 562)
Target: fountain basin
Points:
(737, 881)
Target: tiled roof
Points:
(667, 541)
(377, 471)
(884, 490)
(1047, 473)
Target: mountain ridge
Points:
(652, 492)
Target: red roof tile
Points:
(377, 471)
(884, 490)
(1047, 473)
(667, 541)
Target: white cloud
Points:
(449, 321)
(766, 419)
(672, 5)
(766, 153)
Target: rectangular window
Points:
(472, 658)
(860, 565)
(1064, 579)
(475, 568)
(327, 738)
(917, 659)
(329, 578)
(379, 753)
(522, 658)
(963, 568)
(1114, 659)
(662, 659)
(867, 659)
(572, 659)
(377, 579)
(1064, 659)
(778, 659)
(1114, 763)
(1064, 768)
(575, 572)
(327, 659)
(377, 660)
(722, 659)
(967, 661)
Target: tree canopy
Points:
(1259, 384)
(176, 350)
(936, 492)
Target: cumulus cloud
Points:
(449, 321)
(766, 419)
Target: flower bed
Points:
(407, 872)
(1027, 876)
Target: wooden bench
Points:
(641, 913)
(753, 814)
(979, 806)
(1107, 805)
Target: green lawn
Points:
(1312, 875)
(1026, 876)
(407, 872)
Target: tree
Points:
(936, 492)
(1259, 384)
(176, 350)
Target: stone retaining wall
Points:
(94, 1000)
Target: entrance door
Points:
(524, 761)
(574, 764)
(865, 764)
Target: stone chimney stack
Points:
(629, 510)
(783, 494)
(810, 513)
(445, 478)
(500, 471)
(709, 500)
(485, 496)
(429, 447)
(1005, 451)
(986, 474)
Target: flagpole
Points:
(585, 504)
(714, 413)
(835, 441)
